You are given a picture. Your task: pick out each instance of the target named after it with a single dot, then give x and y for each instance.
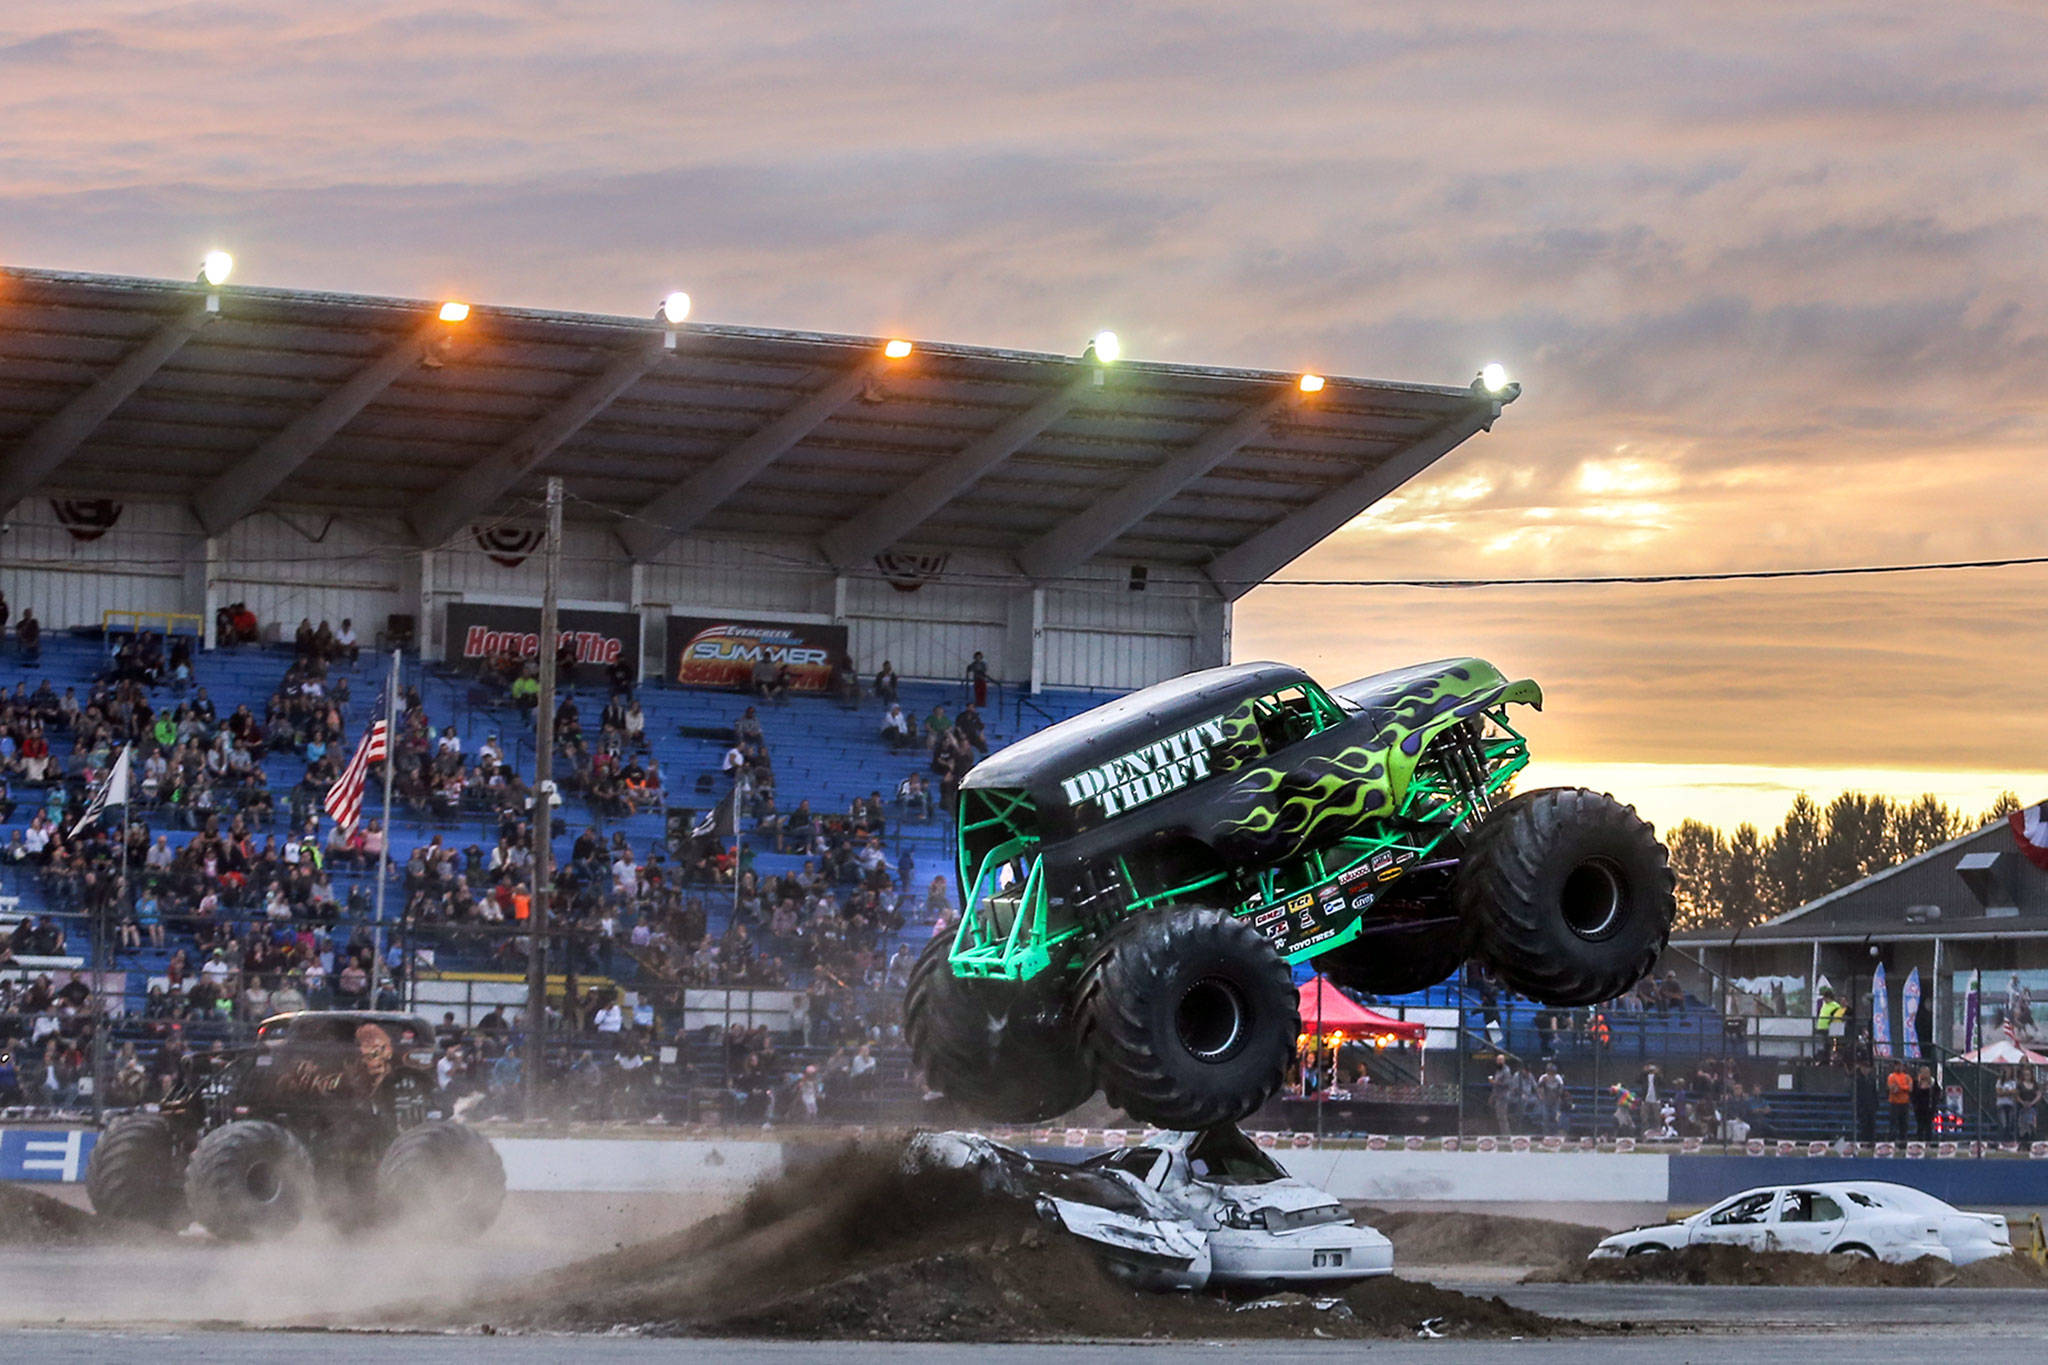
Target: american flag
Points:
(345, 797)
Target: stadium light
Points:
(215, 267)
(897, 348)
(1103, 348)
(1493, 377)
(1311, 383)
(675, 307)
(454, 311)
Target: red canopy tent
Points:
(1326, 1010)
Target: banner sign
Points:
(476, 632)
(719, 651)
(45, 1154)
(1880, 1014)
(1909, 1017)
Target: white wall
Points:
(140, 565)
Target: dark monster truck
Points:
(1136, 882)
(329, 1111)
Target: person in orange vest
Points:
(1898, 1087)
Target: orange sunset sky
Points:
(1771, 275)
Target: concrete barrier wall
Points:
(624, 1165)
(1504, 1177)
(1705, 1179)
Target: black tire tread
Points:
(134, 1174)
(1497, 894)
(947, 1031)
(217, 1163)
(1116, 1039)
(442, 1172)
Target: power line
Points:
(1724, 576)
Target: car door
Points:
(1807, 1221)
(1743, 1221)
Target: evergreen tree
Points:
(1698, 856)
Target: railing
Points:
(138, 619)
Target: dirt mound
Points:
(854, 1247)
(31, 1218)
(1421, 1238)
(1737, 1265)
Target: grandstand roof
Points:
(283, 398)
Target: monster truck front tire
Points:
(441, 1174)
(1187, 1018)
(134, 1175)
(994, 1048)
(1567, 894)
(250, 1180)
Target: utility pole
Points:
(543, 815)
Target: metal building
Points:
(169, 447)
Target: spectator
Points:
(895, 730)
(970, 727)
(345, 646)
(977, 675)
(886, 681)
(1898, 1083)
(28, 633)
(1925, 1092)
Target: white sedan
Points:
(1184, 1210)
(1857, 1218)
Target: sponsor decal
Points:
(1277, 912)
(1148, 772)
(1354, 874)
(477, 633)
(1362, 901)
(1308, 919)
(1301, 902)
(711, 652)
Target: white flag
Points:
(113, 791)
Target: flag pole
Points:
(99, 947)
(384, 844)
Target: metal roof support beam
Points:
(256, 476)
(1237, 571)
(43, 451)
(470, 493)
(689, 502)
(887, 521)
(1080, 537)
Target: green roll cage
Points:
(1005, 931)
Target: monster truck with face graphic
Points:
(331, 1111)
(1137, 881)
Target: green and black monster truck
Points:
(1136, 882)
(328, 1111)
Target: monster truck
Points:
(1137, 881)
(330, 1111)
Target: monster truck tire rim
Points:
(1566, 895)
(1593, 899)
(1187, 1017)
(250, 1179)
(1211, 1018)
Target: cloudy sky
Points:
(1772, 275)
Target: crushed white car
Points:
(1182, 1210)
(1857, 1218)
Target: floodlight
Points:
(897, 349)
(1311, 383)
(454, 311)
(1493, 377)
(675, 307)
(215, 268)
(1105, 348)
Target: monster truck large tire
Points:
(995, 1049)
(1567, 894)
(443, 1175)
(134, 1174)
(1396, 961)
(250, 1180)
(1187, 1018)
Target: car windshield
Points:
(1132, 1161)
(1228, 1157)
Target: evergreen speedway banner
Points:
(721, 651)
(474, 632)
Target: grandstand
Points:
(182, 464)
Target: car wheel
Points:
(1855, 1251)
(1650, 1249)
(1187, 1018)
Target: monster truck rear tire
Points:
(250, 1180)
(1187, 1018)
(441, 1174)
(999, 1050)
(1567, 894)
(1396, 961)
(134, 1175)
